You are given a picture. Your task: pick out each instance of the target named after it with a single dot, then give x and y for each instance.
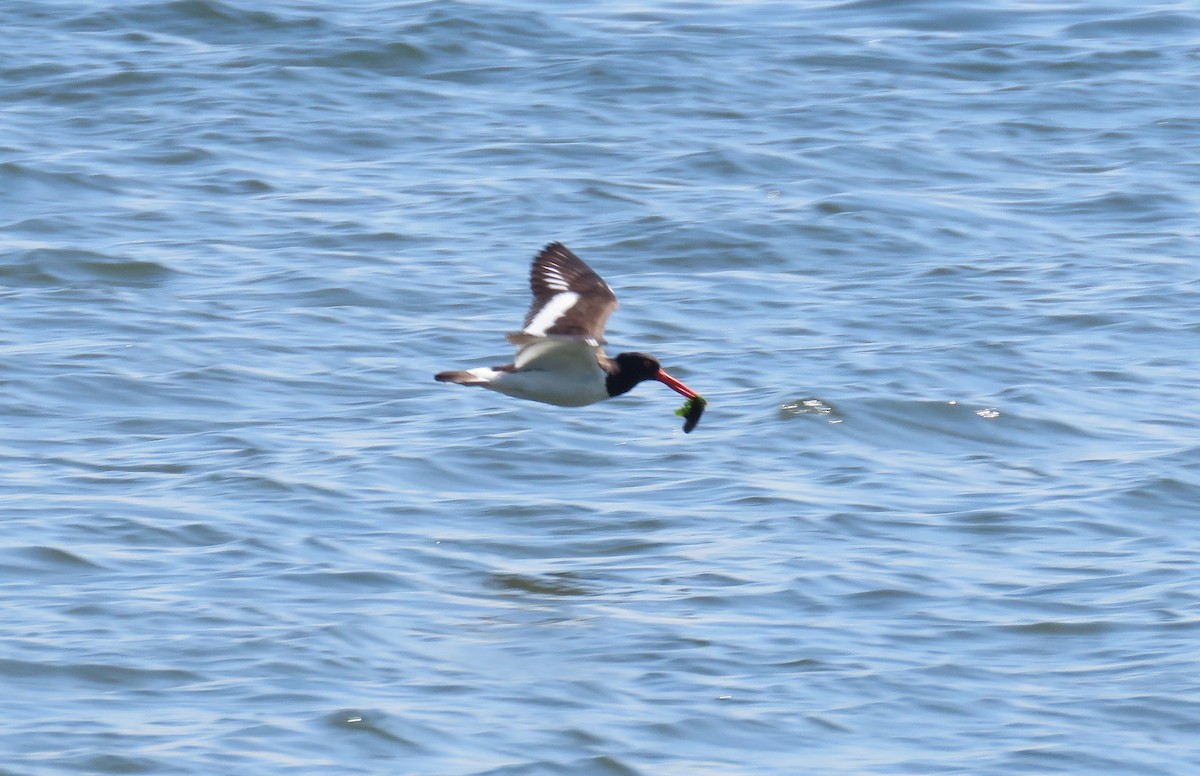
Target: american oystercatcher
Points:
(560, 356)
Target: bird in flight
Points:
(560, 349)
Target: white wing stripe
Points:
(555, 308)
(554, 278)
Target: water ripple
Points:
(930, 263)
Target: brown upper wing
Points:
(569, 298)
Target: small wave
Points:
(53, 266)
(42, 560)
(209, 21)
(1158, 23)
(810, 407)
(384, 57)
(17, 178)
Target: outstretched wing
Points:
(563, 355)
(570, 301)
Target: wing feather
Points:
(565, 354)
(569, 298)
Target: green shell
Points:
(691, 411)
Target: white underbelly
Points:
(573, 389)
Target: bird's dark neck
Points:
(618, 382)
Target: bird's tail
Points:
(461, 377)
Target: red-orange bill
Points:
(675, 385)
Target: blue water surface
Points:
(933, 265)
